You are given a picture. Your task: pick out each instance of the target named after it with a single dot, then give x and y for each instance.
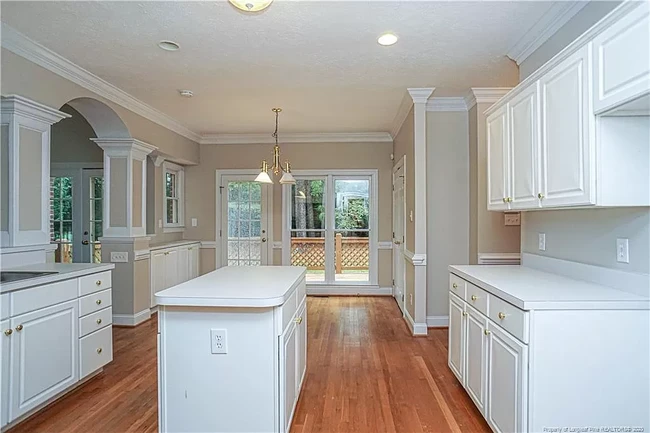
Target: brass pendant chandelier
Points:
(287, 177)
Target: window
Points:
(173, 205)
(329, 221)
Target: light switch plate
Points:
(119, 257)
(623, 250)
(159, 224)
(513, 219)
(542, 242)
(195, 222)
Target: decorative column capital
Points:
(482, 95)
(421, 95)
(20, 106)
(125, 147)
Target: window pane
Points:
(170, 184)
(66, 187)
(352, 204)
(97, 187)
(244, 190)
(351, 256)
(244, 210)
(98, 230)
(256, 191)
(172, 205)
(307, 204)
(66, 231)
(96, 210)
(308, 250)
(66, 209)
(256, 211)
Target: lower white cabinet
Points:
(172, 266)
(476, 350)
(288, 375)
(5, 362)
(457, 338)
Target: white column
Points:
(125, 186)
(420, 98)
(25, 171)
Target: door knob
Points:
(397, 242)
(84, 242)
(263, 239)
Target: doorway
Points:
(245, 221)
(399, 216)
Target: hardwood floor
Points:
(365, 374)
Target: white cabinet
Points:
(194, 263)
(44, 352)
(476, 350)
(457, 337)
(172, 266)
(288, 375)
(497, 159)
(158, 278)
(508, 363)
(301, 345)
(5, 360)
(183, 264)
(622, 59)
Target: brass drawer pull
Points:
(99, 350)
(8, 332)
(464, 313)
(19, 328)
(474, 297)
(487, 332)
(455, 286)
(98, 282)
(502, 316)
(98, 302)
(99, 321)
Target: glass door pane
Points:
(93, 215)
(245, 224)
(307, 228)
(61, 217)
(351, 230)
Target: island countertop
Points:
(236, 286)
(530, 289)
(64, 271)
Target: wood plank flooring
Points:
(365, 374)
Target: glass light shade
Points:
(287, 178)
(263, 177)
(251, 5)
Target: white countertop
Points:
(530, 289)
(234, 286)
(171, 244)
(64, 271)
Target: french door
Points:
(92, 213)
(244, 231)
(329, 223)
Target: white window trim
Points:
(179, 171)
(373, 223)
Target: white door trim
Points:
(398, 253)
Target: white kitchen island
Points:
(232, 350)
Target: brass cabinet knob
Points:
(464, 313)
(509, 199)
(98, 302)
(19, 328)
(99, 350)
(98, 282)
(455, 286)
(487, 332)
(505, 200)
(298, 320)
(8, 332)
(474, 297)
(540, 196)
(99, 321)
(502, 316)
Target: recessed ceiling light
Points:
(186, 93)
(387, 39)
(251, 5)
(169, 45)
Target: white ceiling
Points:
(318, 60)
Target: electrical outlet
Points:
(218, 341)
(513, 219)
(622, 250)
(195, 222)
(119, 257)
(542, 242)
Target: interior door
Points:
(399, 216)
(244, 222)
(92, 215)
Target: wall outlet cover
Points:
(195, 222)
(542, 242)
(119, 257)
(623, 250)
(513, 219)
(218, 341)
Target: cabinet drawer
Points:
(4, 306)
(477, 298)
(23, 301)
(94, 283)
(95, 321)
(287, 310)
(509, 317)
(94, 302)
(457, 285)
(95, 351)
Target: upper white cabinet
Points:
(565, 135)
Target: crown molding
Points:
(22, 46)
(485, 95)
(447, 104)
(556, 16)
(421, 95)
(317, 137)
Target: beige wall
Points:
(200, 182)
(207, 260)
(473, 184)
(70, 140)
(447, 203)
(117, 216)
(31, 179)
(22, 77)
(492, 235)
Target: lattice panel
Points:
(310, 252)
(355, 254)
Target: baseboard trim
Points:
(417, 329)
(131, 319)
(438, 321)
(349, 291)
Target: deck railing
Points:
(350, 253)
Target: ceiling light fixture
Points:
(186, 93)
(251, 5)
(169, 45)
(387, 39)
(287, 177)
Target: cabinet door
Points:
(456, 353)
(301, 346)
(158, 275)
(44, 351)
(566, 131)
(183, 265)
(288, 373)
(476, 358)
(171, 268)
(507, 388)
(194, 261)
(5, 326)
(524, 148)
(497, 160)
